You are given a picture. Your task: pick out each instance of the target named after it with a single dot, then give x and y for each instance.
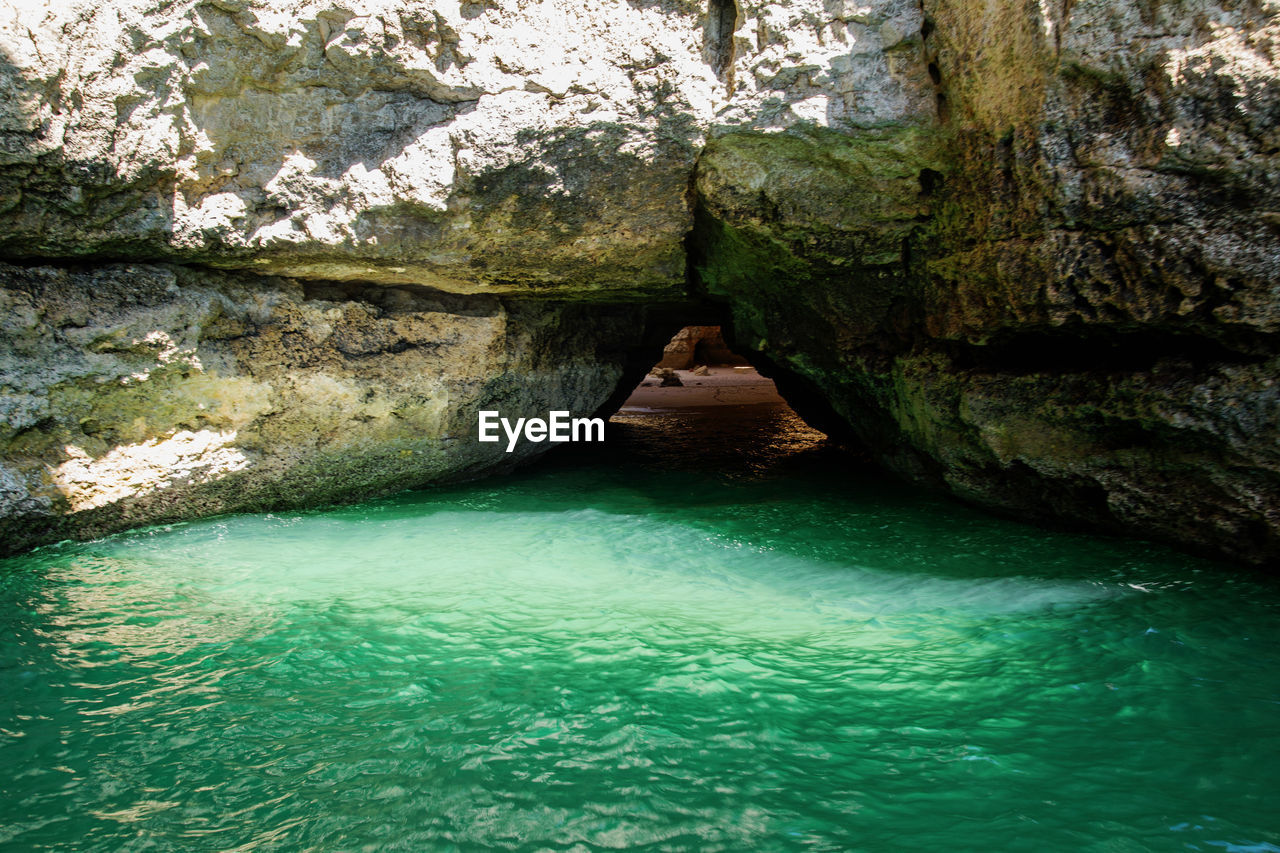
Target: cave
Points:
(572, 426)
(698, 368)
(696, 400)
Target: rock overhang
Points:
(895, 203)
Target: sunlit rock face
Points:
(492, 146)
(698, 345)
(497, 148)
(143, 393)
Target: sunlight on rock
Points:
(188, 457)
(167, 352)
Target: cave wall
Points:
(475, 147)
(1023, 251)
(204, 175)
(142, 393)
(1057, 300)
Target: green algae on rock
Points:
(142, 393)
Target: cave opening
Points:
(698, 369)
(700, 405)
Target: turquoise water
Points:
(724, 639)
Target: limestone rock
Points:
(494, 146)
(137, 394)
(700, 345)
(1027, 252)
(669, 378)
(1071, 311)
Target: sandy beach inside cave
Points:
(722, 386)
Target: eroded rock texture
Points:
(698, 345)
(1027, 251)
(501, 145)
(1061, 298)
(143, 393)
(504, 147)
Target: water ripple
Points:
(571, 661)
